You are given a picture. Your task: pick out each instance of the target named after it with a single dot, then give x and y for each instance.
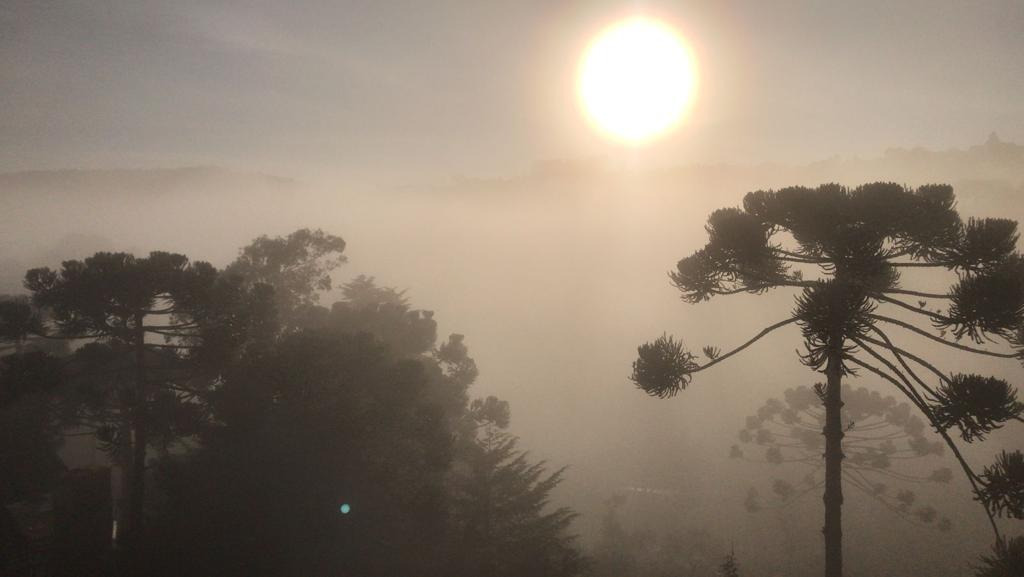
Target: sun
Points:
(637, 80)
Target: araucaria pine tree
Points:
(842, 250)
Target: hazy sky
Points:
(403, 91)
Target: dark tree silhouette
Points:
(284, 410)
(323, 418)
(1007, 559)
(21, 327)
(327, 413)
(116, 298)
(19, 322)
(29, 433)
(880, 434)
(843, 250)
(358, 404)
(149, 324)
(160, 331)
(297, 266)
(499, 499)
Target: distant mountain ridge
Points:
(135, 180)
(994, 159)
(992, 167)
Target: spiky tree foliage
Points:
(1002, 485)
(1007, 559)
(843, 250)
(975, 405)
(665, 366)
(503, 522)
(880, 434)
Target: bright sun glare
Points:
(637, 79)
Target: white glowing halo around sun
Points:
(637, 80)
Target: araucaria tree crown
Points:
(843, 250)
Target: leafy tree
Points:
(500, 498)
(290, 409)
(323, 418)
(359, 405)
(844, 250)
(160, 331)
(880, 434)
(142, 317)
(298, 267)
(385, 313)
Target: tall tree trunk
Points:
(121, 461)
(834, 463)
(137, 490)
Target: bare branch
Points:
(178, 326)
(907, 388)
(888, 344)
(798, 257)
(926, 334)
(753, 340)
(917, 293)
(920, 264)
(900, 353)
(912, 308)
(175, 334)
(971, 476)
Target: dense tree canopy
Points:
(357, 406)
(298, 267)
(325, 419)
(282, 437)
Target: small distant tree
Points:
(843, 250)
(728, 568)
(629, 544)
